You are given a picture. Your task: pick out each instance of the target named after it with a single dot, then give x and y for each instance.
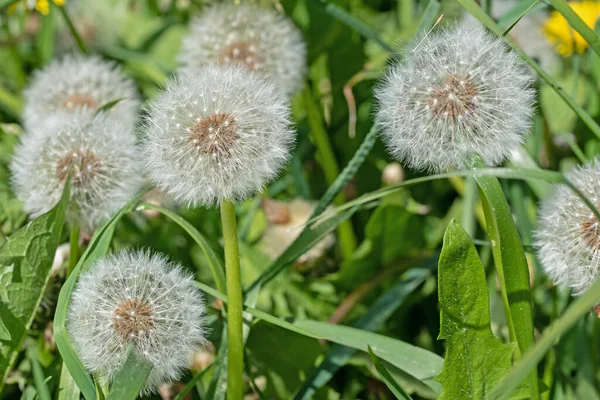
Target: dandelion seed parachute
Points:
(140, 300)
(79, 82)
(568, 233)
(455, 93)
(105, 162)
(260, 39)
(219, 132)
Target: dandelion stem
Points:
(235, 353)
(74, 248)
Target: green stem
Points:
(330, 169)
(549, 374)
(235, 353)
(73, 30)
(469, 206)
(74, 249)
(405, 13)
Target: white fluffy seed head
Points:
(259, 39)
(79, 82)
(102, 154)
(216, 132)
(568, 234)
(140, 300)
(455, 93)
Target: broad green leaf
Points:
(348, 19)
(130, 379)
(381, 310)
(285, 357)
(387, 378)
(98, 247)
(475, 359)
(25, 261)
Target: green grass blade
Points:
(38, 377)
(348, 19)
(308, 236)
(430, 14)
(108, 105)
(578, 24)
(559, 327)
(130, 379)
(97, 248)
(475, 9)
(73, 30)
(417, 362)
(381, 310)
(509, 28)
(387, 378)
(511, 266)
(67, 389)
(25, 261)
(216, 266)
(506, 173)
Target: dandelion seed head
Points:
(141, 300)
(568, 234)
(100, 153)
(256, 38)
(216, 132)
(455, 93)
(79, 82)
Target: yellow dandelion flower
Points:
(565, 39)
(42, 6)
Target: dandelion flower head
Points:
(558, 31)
(568, 233)
(102, 155)
(135, 299)
(217, 132)
(455, 93)
(260, 39)
(79, 82)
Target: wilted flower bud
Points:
(392, 174)
(79, 82)
(453, 94)
(259, 39)
(568, 234)
(286, 221)
(102, 155)
(216, 132)
(134, 299)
